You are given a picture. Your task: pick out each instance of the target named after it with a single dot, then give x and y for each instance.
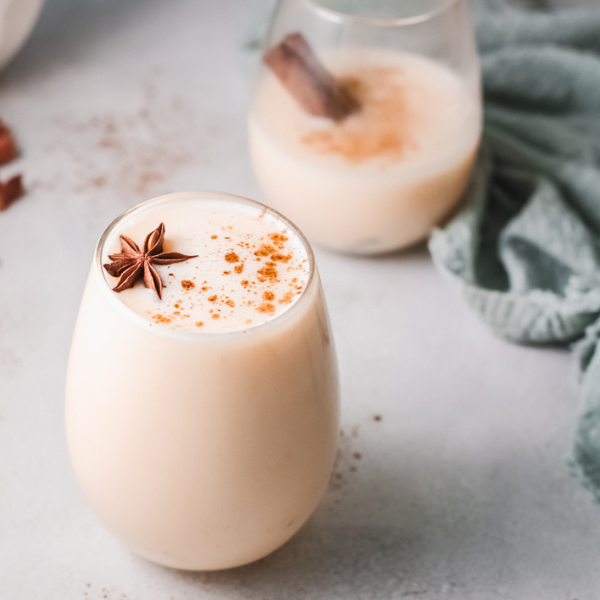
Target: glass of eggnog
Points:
(202, 388)
(366, 118)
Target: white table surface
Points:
(463, 490)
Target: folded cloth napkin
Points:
(525, 251)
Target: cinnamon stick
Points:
(316, 90)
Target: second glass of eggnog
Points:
(379, 172)
(202, 413)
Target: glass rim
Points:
(338, 16)
(200, 336)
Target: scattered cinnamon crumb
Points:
(238, 269)
(286, 298)
(226, 272)
(377, 418)
(278, 238)
(268, 296)
(281, 257)
(214, 237)
(230, 303)
(212, 298)
(161, 318)
(267, 272)
(199, 323)
(264, 250)
(232, 257)
(216, 316)
(245, 283)
(186, 284)
(137, 149)
(266, 307)
(98, 182)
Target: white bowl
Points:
(17, 18)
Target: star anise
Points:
(132, 263)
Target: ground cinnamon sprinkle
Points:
(281, 257)
(265, 250)
(161, 318)
(278, 239)
(136, 150)
(286, 298)
(264, 289)
(266, 307)
(382, 128)
(267, 272)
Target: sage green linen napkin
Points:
(525, 251)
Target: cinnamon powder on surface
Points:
(259, 293)
(382, 128)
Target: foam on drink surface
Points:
(251, 267)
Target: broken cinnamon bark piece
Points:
(8, 148)
(10, 191)
(316, 90)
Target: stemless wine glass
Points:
(201, 450)
(383, 177)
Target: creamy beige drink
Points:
(381, 178)
(202, 426)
